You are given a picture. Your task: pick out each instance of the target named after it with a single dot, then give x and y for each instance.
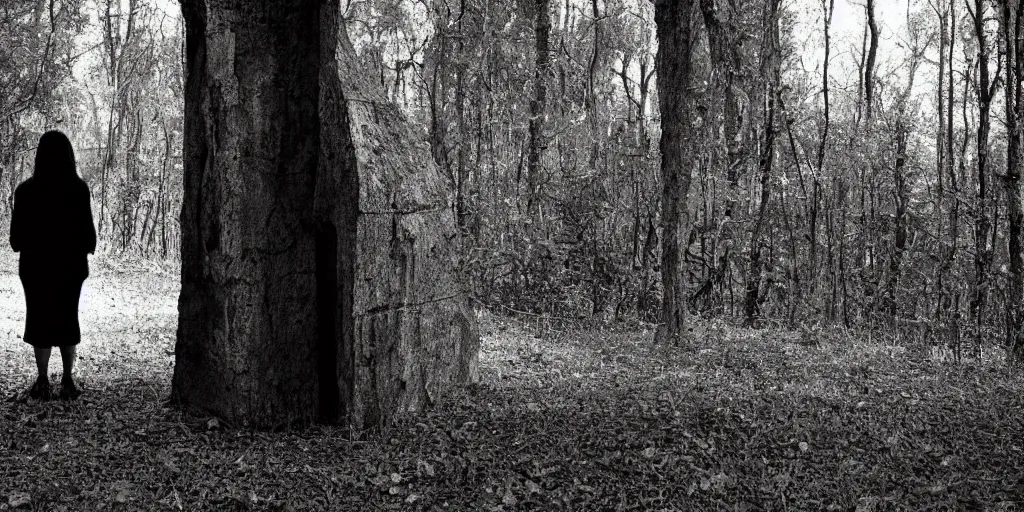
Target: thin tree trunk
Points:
(727, 57)
(1011, 25)
(869, 67)
(902, 199)
(983, 205)
(940, 150)
(940, 132)
(439, 97)
(538, 104)
(771, 71)
(949, 246)
(829, 8)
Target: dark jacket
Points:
(52, 227)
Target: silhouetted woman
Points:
(52, 228)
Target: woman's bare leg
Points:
(41, 389)
(68, 389)
(67, 356)
(43, 362)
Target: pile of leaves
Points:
(581, 420)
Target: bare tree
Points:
(771, 76)
(984, 206)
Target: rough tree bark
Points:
(948, 256)
(983, 207)
(1010, 23)
(869, 66)
(727, 56)
(538, 104)
(901, 194)
(771, 74)
(941, 13)
(678, 115)
(318, 263)
(940, 135)
(828, 6)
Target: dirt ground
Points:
(564, 419)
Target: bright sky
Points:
(168, 10)
(847, 36)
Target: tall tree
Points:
(983, 208)
(869, 65)
(918, 45)
(950, 241)
(942, 11)
(677, 102)
(771, 63)
(828, 8)
(319, 278)
(1010, 25)
(727, 57)
(121, 32)
(538, 104)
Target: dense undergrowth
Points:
(574, 419)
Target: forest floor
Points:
(575, 420)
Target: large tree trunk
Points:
(677, 104)
(318, 260)
(414, 333)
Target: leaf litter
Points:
(583, 419)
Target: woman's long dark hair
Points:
(55, 159)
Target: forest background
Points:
(853, 164)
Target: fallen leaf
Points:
(533, 488)
(18, 500)
(425, 468)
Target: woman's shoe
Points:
(68, 390)
(40, 390)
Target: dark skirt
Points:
(51, 311)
